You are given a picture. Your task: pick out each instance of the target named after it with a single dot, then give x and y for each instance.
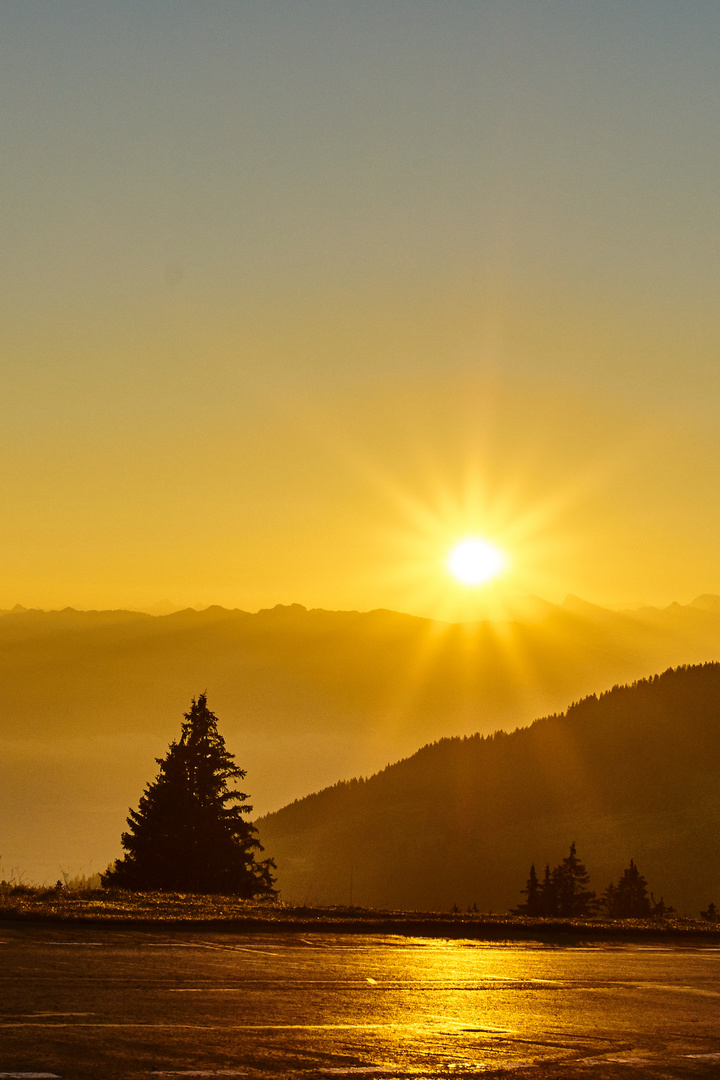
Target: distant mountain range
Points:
(304, 698)
(634, 774)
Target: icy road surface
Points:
(81, 1003)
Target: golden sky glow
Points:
(295, 296)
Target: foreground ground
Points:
(91, 1002)
(121, 908)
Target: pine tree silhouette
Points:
(188, 833)
(629, 898)
(532, 905)
(547, 899)
(573, 898)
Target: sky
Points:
(297, 294)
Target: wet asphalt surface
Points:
(125, 1003)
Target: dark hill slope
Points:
(89, 699)
(634, 773)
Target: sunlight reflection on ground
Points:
(332, 1005)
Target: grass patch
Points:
(115, 907)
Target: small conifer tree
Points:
(530, 906)
(573, 898)
(659, 909)
(547, 899)
(629, 898)
(188, 833)
(711, 913)
(608, 900)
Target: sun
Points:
(474, 561)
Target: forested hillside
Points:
(304, 698)
(634, 773)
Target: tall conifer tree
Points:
(188, 833)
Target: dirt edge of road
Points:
(154, 911)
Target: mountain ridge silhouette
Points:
(633, 773)
(304, 698)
